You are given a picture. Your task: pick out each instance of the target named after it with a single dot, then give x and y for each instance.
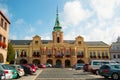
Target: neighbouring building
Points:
(4, 30)
(115, 50)
(59, 51)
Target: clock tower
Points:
(57, 34)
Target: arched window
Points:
(58, 40)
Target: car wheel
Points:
(97, 72)
(115, 76)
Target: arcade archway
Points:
(23, 61)
(36, 61)
(58, 63)
(67, 63)
(50, 61)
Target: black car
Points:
(2, 75)
(27, 70)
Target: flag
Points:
(16, 54)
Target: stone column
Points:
(43, 59)
(73, 60)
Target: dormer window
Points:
(36, 42)
(79, 42)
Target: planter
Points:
(4, 45)
(1, 43)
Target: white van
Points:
(96, 64)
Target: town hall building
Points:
(58, 51)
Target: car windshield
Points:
(116, 66)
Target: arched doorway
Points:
(67, 63)
(1, 58)
(80, 61)
(36, 61)
(58, 63)
(49, 61)
(23, 61)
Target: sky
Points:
(95, 20)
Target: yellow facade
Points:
(58, 51)
(66, 53)
(4, 30)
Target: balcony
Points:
(67, 56)
(23, 55)
(61, 55)
(92, 56)
(35, 55)
(80, 56)
(49, 55)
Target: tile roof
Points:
(27, 42)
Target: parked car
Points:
(41, 66)
(86, 68)
(96, 64)
(8, 72)
(33, 67)
(78, 66)
(111, 70)
(2, 75)
(27, 70)
(15, 72)
(48, 65)
(19, 69)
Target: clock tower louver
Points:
(57, 33)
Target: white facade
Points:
(115, 50)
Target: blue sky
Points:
(95, 20)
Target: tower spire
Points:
(57, 23)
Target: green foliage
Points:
(10, 53)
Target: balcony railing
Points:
(67, 55)
(80, 56)
(35, 55)
(23, 55)
(49, 55)
(59, 55)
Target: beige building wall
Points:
(44, 46)
(4, 30)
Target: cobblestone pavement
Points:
(66, 74)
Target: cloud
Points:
(45, 37)
(99, 21)
(4, 8)
(14, 37)
(19, 22)
(39, 22)
(73, 13)
(104, 8)
(28, 37)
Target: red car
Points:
(33, 67)
(41, 66)
(86, 68)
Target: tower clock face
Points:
(58, 33)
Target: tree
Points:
(10, 53)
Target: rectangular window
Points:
(0, 37)
(2, 22)
(4, 39)
(5, 26)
